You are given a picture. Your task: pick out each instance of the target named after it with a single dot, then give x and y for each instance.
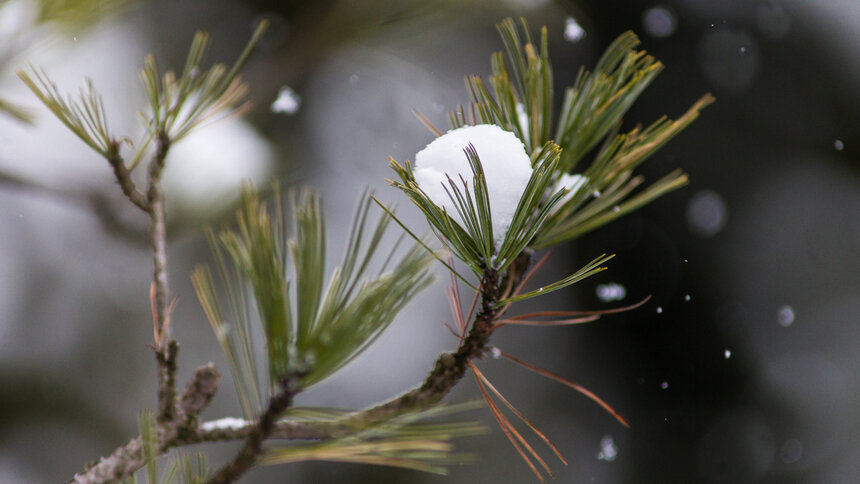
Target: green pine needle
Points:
(610, 175)
(589, 269)
(308, 331)
(604, 209)
(472, 242)
(259, 258)
(72, 16)
(464, 242)
(404, 441)
(529, 92)
(235, 339)
(596, 102)
(20, 113)
(189, 470)
(518, 98)
(534, 207)
(84, 116)
(197, 96)
(177, 105)
(149, 436)
(420, 242)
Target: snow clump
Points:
(574, 183)
(507, 169)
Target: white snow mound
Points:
(507, 168)
(574, 183)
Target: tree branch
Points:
(123, 177)
(447, 371)
(165, 347)
(449, 367)
(260, 432)
(167, 383)
(125, 460)
(198, 393)
(158, 240)
(120, 464)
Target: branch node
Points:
(198, 393)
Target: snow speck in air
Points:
(727, 354)
(664, 385)
(608, 450)
(507, 169)
(706, 213)
(839, 145)
(611, 292)
(288, 101)
(659, 309)
(785, 316)
(573, 32)
(659, 21)
(497, 353)
(791, 451)
(687, 297)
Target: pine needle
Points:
(518, 413)
(597, 312)
(511, 433)
(571, 317)
(559, 322)
(426, 122)
(570, 384)
(589, 269)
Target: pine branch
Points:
(246, 457)
(447, 371)
(450, 367)
(197, 395)
(123, 178)
(125, 460)
(158, 236)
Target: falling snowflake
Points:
(573, 32)
(288, 101)
(611, 292)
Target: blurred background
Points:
(742, 368)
